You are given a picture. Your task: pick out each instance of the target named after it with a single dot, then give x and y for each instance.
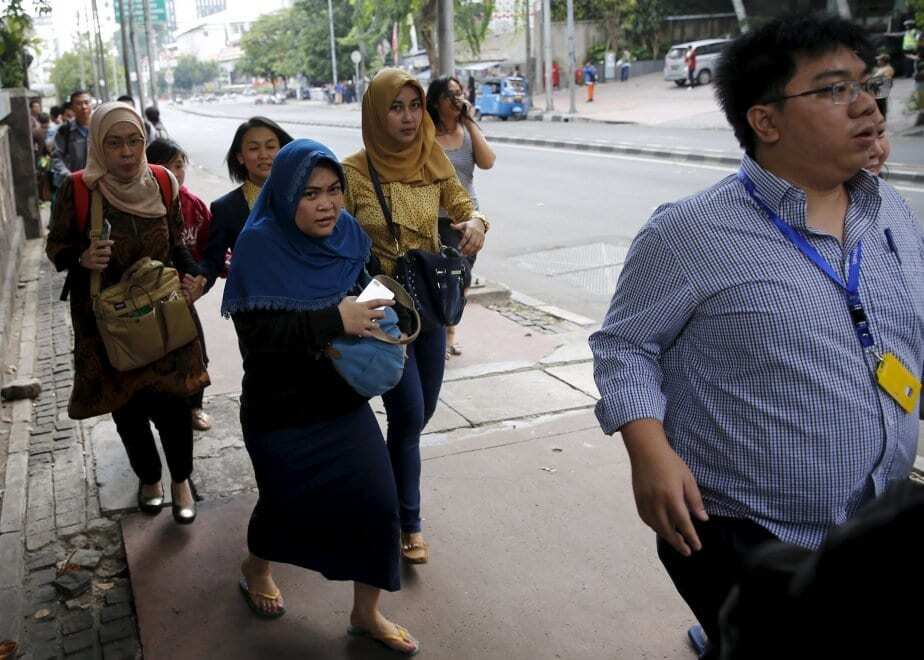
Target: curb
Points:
(898, 173)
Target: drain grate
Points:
(594, 267)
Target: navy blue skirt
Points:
(327, 500)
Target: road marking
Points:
(638, 159)
(658, 161)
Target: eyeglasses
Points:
(847, 91)
(117, 143)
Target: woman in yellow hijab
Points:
(417, 180)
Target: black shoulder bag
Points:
(435, 281)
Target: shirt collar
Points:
(788, 201)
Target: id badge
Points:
(899, 383)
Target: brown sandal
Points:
(414, 553)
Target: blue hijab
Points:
(274, 264)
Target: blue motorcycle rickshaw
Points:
(503, 98)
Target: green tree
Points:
(65, 72)
(191, 72)
(472, 20)
(268, 46)
(16, 42)
(311, 54)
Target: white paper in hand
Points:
(375, 290)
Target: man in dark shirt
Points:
(70, 149)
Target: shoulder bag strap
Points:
(96, 229)
(386, 211)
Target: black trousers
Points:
(705, 579)
(170, 415)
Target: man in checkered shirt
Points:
(740, 352)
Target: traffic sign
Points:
(356, 57)
(158, 10)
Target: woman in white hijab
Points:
(141, 208)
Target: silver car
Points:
(707, 56)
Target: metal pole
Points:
(126, 67)
(94, 55)
(572, 57)
(547, 39)
(529, 51)
(134, 43)
(333, 44)
(149, 38)
(446, 37)
(540, 49)
(98, 40)
(742, 14)
(83, 78)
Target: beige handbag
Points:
(144, 316)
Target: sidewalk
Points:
(537, 549)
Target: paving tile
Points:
(579, 375)
(510, 396)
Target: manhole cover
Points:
(574, 258)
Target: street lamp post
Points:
(333, 44)
(547, 43)
(572, 57)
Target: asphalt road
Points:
(561, 219)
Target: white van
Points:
(707, 56)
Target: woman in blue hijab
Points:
(327, 497)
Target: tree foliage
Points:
(312, 43)
(191, 72)
(472, 20)
(627, 23)
(65, 72)
(16, 42)
(268, 46)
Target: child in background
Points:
(196, 220)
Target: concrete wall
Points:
(11, 226)
(24, 175)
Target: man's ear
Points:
(764, 121)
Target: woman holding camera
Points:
(416, 180)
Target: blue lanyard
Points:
(851, 288)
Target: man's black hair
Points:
(75, 94)
(55, 111)
(236, 170)
(153, 114)
(757, 66)
(162, 150)
(125, 98)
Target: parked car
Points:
(503, 98)
(707, 56)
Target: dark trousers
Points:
(705, 579)
(409, 406)
(170, 415)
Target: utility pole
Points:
(572, 57)
(527, 6)
(98, 40)
(126, 66)
(547, 42)
(83, 78)
(94, 55)
(333, 44)
(134, 43)
(742, 14)
(149, 38)
(446, 37)
(540, 48)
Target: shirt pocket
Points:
(894, 295)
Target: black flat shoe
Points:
(150, 505)
(185, 515)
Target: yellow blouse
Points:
(414, 210)
(251, 192)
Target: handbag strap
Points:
(386, 211)
(96, 230)
(402, 298)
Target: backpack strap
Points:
(163, 180)
(81, 200)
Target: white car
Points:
(707, 57)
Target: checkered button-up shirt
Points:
(724, 331)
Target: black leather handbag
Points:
(435, 281)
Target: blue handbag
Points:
(373, 365)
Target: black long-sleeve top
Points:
(229, 213)
(288, 381)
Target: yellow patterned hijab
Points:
(421, 162)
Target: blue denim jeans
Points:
(409, 406)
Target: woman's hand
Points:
(359, 318)
(472, 236)
(193, 287)
(96, 257)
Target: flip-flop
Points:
(252, 604)
(402, 636)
